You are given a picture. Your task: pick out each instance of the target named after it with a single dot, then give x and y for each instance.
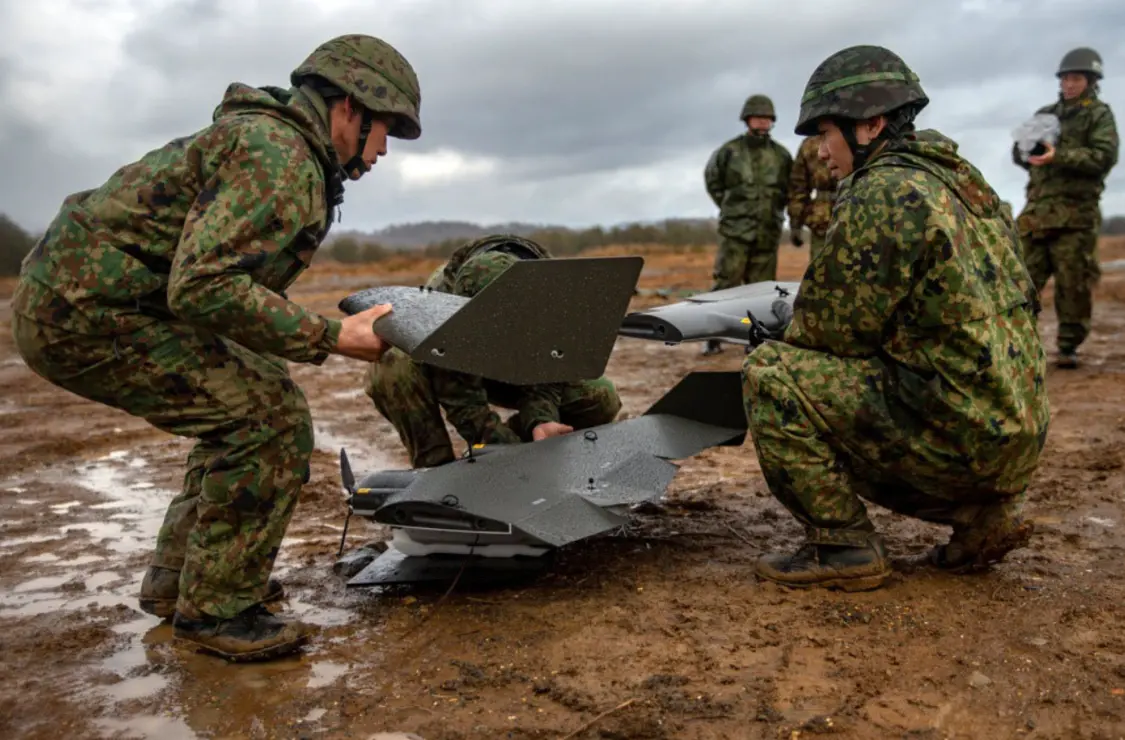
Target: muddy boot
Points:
(161, 588)
(976, 547)
(255, 634)
(846, 567)
(712, 347)
(1067, 359)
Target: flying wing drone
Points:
(501, 509)
(509, 501)
(746, 314)
(539, 321)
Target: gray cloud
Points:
(582, 111)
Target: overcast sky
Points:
(576, 112)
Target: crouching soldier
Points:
(412, 396)
(912, 374)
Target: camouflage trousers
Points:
(740, 261)
(812, 417)
(816, 244)
(403, 393)
(1070, 255)
(253, 437)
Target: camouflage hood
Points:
(293, 107)
(937, 154)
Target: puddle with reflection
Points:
(363, 456)
(133, 509)
(31, 539)
(314, 715)
(150, 726)
(47, 557)
(322, 616)
(326, 673)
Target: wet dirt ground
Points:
(662, 632)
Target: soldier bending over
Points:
(162, 293)
(412, 396)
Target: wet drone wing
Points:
(540, 321)
(574, 486)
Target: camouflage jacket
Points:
(812, 189)
(1065, 194)
(463, 397)
(748, 179)
(921, 274)
(210, 229)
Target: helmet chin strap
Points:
(897, 123)
(356, 166)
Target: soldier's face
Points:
(1073, 84)
(347, 128)
(834, 149)
(759, 125)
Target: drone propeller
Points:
(348, 479)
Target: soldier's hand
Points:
(358, 339)
(550, 429)
(1045, 158)
(795, 238)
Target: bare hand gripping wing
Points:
(728, 314)
(540, 321)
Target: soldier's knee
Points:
(394, 375)
(609, 401)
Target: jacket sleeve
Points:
(798, 190)
(258, 198)
(1100, 154)
(714, 174)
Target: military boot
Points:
(1067, 359)
(161, 587)
(712, 347)
(254, 634)
(846, 567)
(982, 543)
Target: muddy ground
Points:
(663, 632)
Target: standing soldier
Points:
(412, 396)
(911, 374)
(812, 189)
(162, 293)
(1059, 224)
(748, 179)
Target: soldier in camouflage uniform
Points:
(1060, 222)
(412, 396)
(748, 179)
(812, 189)
(912, 374)
(162, 293)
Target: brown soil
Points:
(661, 633)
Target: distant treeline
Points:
(561, 242)
(15, 242)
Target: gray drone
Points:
(501, 510)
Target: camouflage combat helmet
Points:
(857, 83)
(374, 73)
(1082, 59)
(757, 105)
